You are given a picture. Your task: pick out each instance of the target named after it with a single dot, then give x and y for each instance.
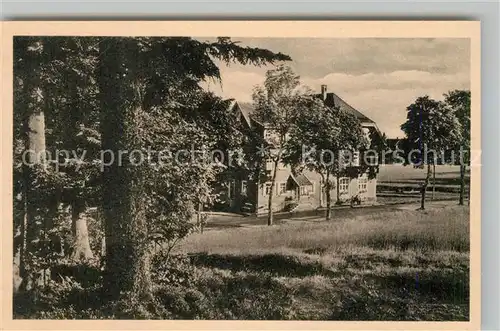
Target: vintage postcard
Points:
(241, 175)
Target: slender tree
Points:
(430, 127)
(313, 143)
(76, 131)
(276, 104)
(29, 55)
(320, 135)
(351, 140)
(459, 101)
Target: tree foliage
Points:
(277, 106)
(430, 128)
(113, 93)
(459, 102)
(320, 139)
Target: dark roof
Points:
(301, 180)
(333, 100)
(247, 110)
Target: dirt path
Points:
(221, 221)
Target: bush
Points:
(256, 297)
(184, 303)
(50, 298)
(251, 297)
(171, 270)
(88, 273)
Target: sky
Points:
(379, 77)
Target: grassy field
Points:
(401, 184)
(396, 173)
(397, 265)
(379, 263)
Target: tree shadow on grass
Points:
(277, 264)
(438, 286)
(430, 296)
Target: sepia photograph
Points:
(214, 177)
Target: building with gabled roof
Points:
(300, 191)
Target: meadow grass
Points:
(391, 172)
(404, 265)
(440, 229)
(387, 265)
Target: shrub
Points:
(184, 303)
(50, 298)
(171, 270)
(251, 297)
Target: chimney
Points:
(323, 92)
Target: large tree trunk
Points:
(81, 245)
(271, 194)
(19, 241)
(462, 185)
(34, 210)
(34, 130)
(127, 251)
(424, 187)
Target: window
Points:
(362, 184)
(281, 188)
(267, 188)
(270, 165)
(355, 159)
(344, 185)
(306, 190)
(366, 133)
(345, 158)
(244, 187)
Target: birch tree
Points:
(277, 106)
